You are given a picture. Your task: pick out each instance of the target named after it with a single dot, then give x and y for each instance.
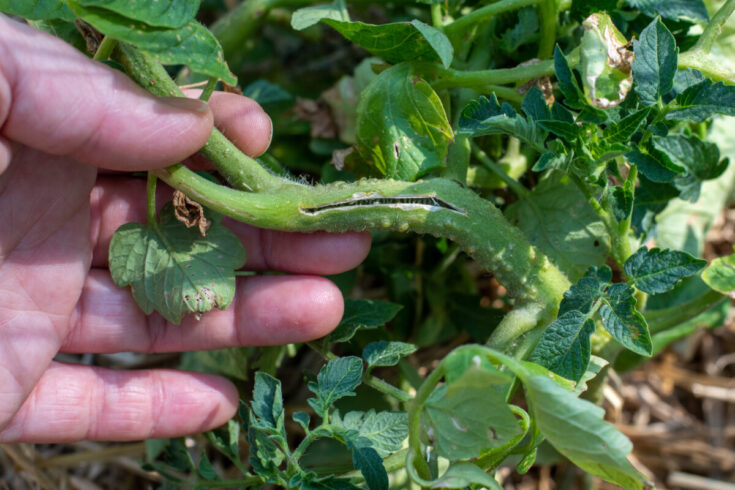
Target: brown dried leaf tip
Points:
(91, 36)
(190, 212)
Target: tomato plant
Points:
(542, 138)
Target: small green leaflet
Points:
(268, 401)
(309, 16)
(162, 13)
(534, 105)
(383, 353)
(720, 274)
(699, 102)
(622, 131)
(564, 347)
(38, 9)
(652, 167)
(524, 32)
(363, 314)
(303, 419)
(582, 295)
(226, 439)
(401, 125)
(672, 9)
(655, 63)
(370, 464)
(174, 270)
(337, 379)
(700, 158)
(568, 131)
(399, 41)
(271, 97)
(205, 468)
(623, 321)
(192, 44)
(573, 96)
(486, 116)
(622, 200)
(457, 415)
(584, 437)
(385, 430)
(656, 271)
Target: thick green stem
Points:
(714, 28)
(104, 50)
(241, 171)
(512, 183)
(415, 457)
(438, 206)
(464, 23)
(698, 57)
(710, 67)
(548, 15)
(235, 28)
(208, 89)
(436, 15)
(482, 79)
(151, 199)
(386, 388)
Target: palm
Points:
(46, 258)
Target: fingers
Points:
(54, 99)
(116, 201)
(242, 120)
(268, 310)
(72, 403)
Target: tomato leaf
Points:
(385, 430)
(577, 429)
(401, 125)
(399, 41)
(656, 271)
(363, 314)
(38, 9)
(560, 222)
(672, 9)
(384, 353)
(486, 116)
(174, 270)
(564, 347)
(655, 63)
(720, 274)
(337, 379)
(623, 321)
(458, 417)
(191, 44)
(701, 101)
(162, 13)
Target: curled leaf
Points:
(605, 62)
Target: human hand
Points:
(63, 117)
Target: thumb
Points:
(56, 100)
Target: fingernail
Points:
(185, 103)
(270, 140)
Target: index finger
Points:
(54, 99)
